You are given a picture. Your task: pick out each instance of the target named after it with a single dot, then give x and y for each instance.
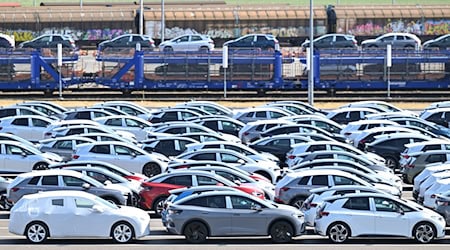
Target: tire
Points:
(158, 205)
(204, 49)
(281, 232)
(122, 232)
(391, 163)
(40, 166)
(338, 232)
(168, 49)
(36, 232)
(424, 232)
(297, 202)
(195, 232)
(151, 169)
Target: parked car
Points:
(130, 108)
(440, 116)
(211, 107)
(168, 146)
(126, 155)
(156, 189)
(397, 40)
(419, 161)
(346, 115)
(29, 127)
(188, 42)
(376, 214)
(20, 158)
(128, 41)
(228, 213)
(252, 130)
(252, 41)
(59, 179)
(135, 125)
(332, 41)
(432, 168)
(54, 211)
(442, 205)
(7, 41)
(50, 41)
(63, 146)
(439, 43)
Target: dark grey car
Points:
(231, 213)
(57, 179)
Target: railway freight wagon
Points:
(222, 22)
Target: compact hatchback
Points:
(333, 41)
(128, 41)
(50, 41)
(396, 40)
(262, 41)
(189, 42)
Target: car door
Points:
(358, 213)
(38, 128)
(17, 159)
(247, 218)
(324, 43)
(21, 127)
(57, 211)
(99, 222)
(213, 209)
(64, 148)
(125, 156)
(388, 219)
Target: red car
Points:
(156, 190)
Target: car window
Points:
(58, 202)
(304, 180)
(114, 122)
(261, 114)
(206, 181)
(39, 123)
(122, 150)
(341, 180)
(357, 203)
(182, 180)
(239, 202)
(20, 122)
(101, 149)
(34, 180)
(51, 180)
(384, 205)
(63, 144)
(321, 180)
(83, 203)
(196, 38)
(71, 181)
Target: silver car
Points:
(225, 213)
(189, 42)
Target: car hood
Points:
(118, 187)
(135, 212)
(368, 41)
(388, 189)
(52, 157)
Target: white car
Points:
(29, 127)
(49, 214)
(309, 207)
(81, 129)
(267, 168)
(63, 146)
(429, 197)
(252, 130)
(353, 129)
(19, 158)
(188, 42)
(376, 214)
(125, 155)
(431, 168)
(130, 108)
(135, 125)
(256, 114)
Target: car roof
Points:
(58, 193)
(51, 172)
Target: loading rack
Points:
(129, 70)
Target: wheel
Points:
(195, 232)
(40, 166)
(204, 49)
(338, 232)
(391, 163)
(424, 232)
(158, 205)
(122, 232)
(281, 232)
(151, 169)
(297, 202)
(168, 49)
(36, 232)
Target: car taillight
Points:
(246, 133)
(175, 211)
(313, 204)
(409, 166)
(181, 166)
(75, 156)
(433, 196)
(442, 203)
(347, 133)
(405, 156)
(284, 189)
(48, 134)
(291, 157)
(15, 189)
(323, 213)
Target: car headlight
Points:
(436, 217)
(297, 215)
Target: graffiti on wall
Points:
(92, 34)
(419, 27)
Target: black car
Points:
(262, 41)
(168, 146)
(332, 41)
(50, 41)
(301, 128)
(441, 43)
(128, 41)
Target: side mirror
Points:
(399, 210)
(240, 161)
(237, 182)
(23, 154)
(107, 182)
(86, 185)
(256, 207)
(133, 155)
(97, 209)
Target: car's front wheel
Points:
(196, 232)
(281, 232)
(122, 232)
(339, 232)
(36, 232)
(424, 232)
(151, 169)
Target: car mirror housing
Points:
(97, 209)
(86, 185)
